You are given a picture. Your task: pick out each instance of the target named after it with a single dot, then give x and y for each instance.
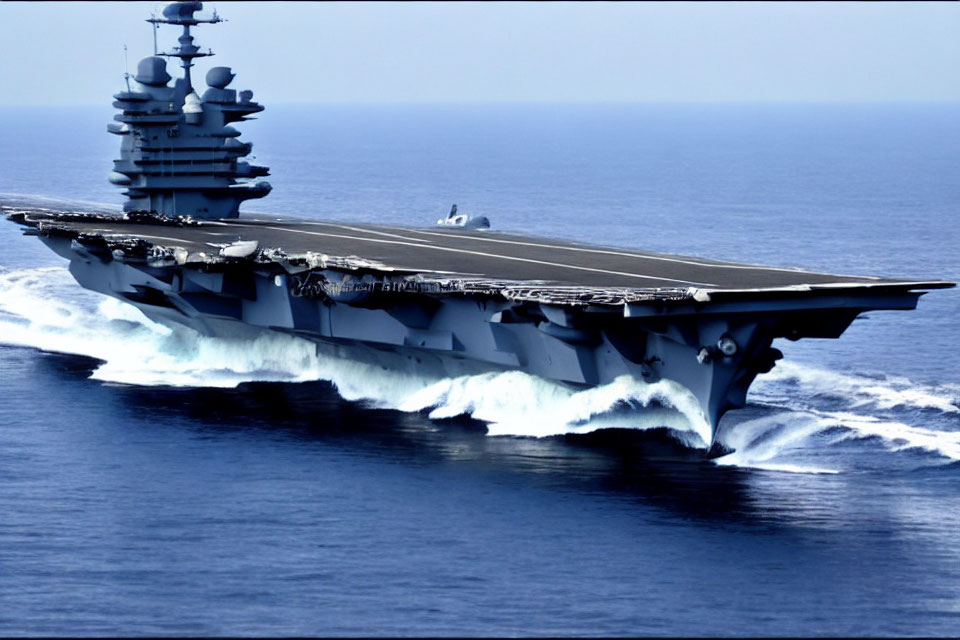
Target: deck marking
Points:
(642, 256)
(718, 265)
(493, 255)
(180, 240)
(873, 281)
(336, 225)
(362, 230)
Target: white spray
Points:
(43, 308)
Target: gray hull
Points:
(713, 342)
(450, 337)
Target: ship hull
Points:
(451, 304)
(450, 337)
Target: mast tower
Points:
(178, 154)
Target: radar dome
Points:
(219, 77)
(152, 71)
(181, 10)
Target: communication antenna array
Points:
(126, 68)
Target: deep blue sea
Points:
(153, 481)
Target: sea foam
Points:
(803, 402)
(44, 309)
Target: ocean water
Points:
(153, 481)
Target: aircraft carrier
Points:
(449, 300)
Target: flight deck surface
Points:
(470, 253)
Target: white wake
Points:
(880, 392)
(45, 309)
(857, 408)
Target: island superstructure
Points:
(444, 301)
(179, 155)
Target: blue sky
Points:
(60, 53)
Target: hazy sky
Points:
(72, 52)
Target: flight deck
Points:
(457, 252)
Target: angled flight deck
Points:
(478, 254)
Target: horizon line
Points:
(494, 102)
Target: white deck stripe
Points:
(361, 230)
(491, 255)
(180, 240)
(644, 256)
(931, 284)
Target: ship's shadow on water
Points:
(651, 466)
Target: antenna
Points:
(155, 27)
(181, 13)
(126, 68)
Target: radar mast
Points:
(178, 154)
(181, 13)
